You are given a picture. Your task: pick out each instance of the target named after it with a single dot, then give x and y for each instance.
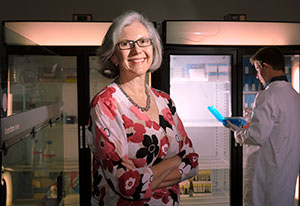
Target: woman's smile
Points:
(137, 60)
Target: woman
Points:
(141, 151)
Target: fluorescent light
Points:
(55, 33)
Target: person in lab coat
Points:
(141, 150)
(273, 137)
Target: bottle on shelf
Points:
(48, 153)
(36, 153)
(246, 70)
(253, 87)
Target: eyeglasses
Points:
(129, 44)
(258, 64)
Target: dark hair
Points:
(107, 49)
(270, 55)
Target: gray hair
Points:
(107, 49)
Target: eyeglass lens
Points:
(129, 44)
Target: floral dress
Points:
(119, 129)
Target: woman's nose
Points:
(136, 49)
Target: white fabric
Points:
(273, 147)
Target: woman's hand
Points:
(166, 172)
(127, 163)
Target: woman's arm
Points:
(172, 179)
(166, 172)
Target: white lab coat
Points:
(273, 147)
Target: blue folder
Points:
(238, 121)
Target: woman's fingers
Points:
(128, 163)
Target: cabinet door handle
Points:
(83, 136)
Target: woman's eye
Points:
(143, 41)
(124, 43)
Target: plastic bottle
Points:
(36, 153)
(48, 153)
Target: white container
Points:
(36, 153)
(48, 153)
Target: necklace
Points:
(148, 101)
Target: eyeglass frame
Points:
(260, 64)
(131, 42)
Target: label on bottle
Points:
(49, 155)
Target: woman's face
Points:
(137, 60)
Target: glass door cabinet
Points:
(45, 159)
(39, 133)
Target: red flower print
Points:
(135, 131)
(149, 123)
(108, 164)
(160, 93)
(138, 136)
(181, 129)
(109, 159)
(168, 116)
(188, 141)
(153, 124)
(108, 106)
(107, 92)
(128, 182)
(140, 115)
(100, 133)
(102, 141)
(148, 192)
(193, 159)
(162, 193)
(164, 147)
(106, 150)
(96, 99)
(138, 163)
(127, 122)
(107, 102)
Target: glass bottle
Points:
(36, 153)
(48, 153)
